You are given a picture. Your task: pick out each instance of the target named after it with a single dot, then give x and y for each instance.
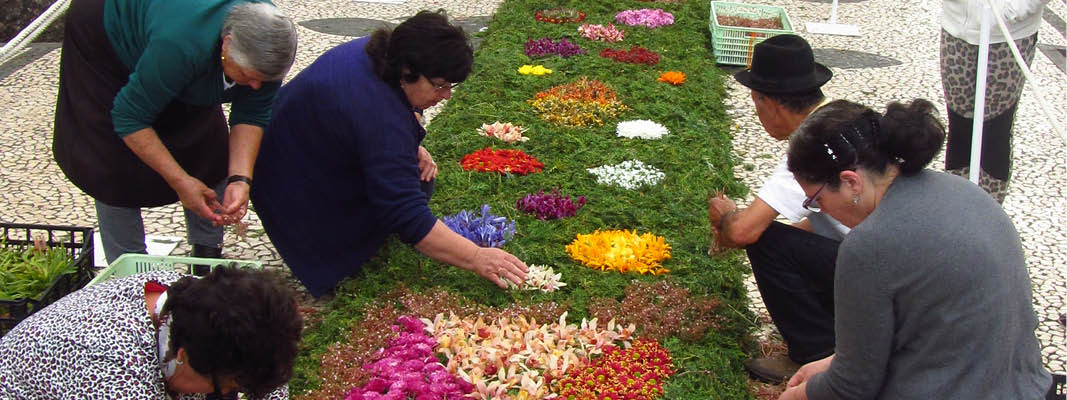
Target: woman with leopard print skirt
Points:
(960, 23)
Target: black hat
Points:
(784, 64)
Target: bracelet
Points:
(239, 178)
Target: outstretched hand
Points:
(496, 265)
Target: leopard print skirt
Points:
(1004, 82)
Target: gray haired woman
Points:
(139, 121)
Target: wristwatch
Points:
(239, 178)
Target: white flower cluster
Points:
(630, 174)
(641, 129)
(540, 277)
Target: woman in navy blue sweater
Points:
(341, 167)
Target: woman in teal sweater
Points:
(139, 121)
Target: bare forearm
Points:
(744, 227)
(244, 148)
(443, 245)
(146, 145)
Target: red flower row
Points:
(636, 55)
(502, 161)
(544, 16)
(636, 373)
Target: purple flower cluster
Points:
(546, 47)
(550, 205)
(407, 369)
(652, 18)
(486, 230)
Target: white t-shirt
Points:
(784, 195)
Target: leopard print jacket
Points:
(96, 343)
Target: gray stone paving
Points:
(33, 190)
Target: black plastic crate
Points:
(79, 244)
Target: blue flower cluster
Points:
(487, 230)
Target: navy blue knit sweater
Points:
(337, 172)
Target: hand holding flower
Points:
(493, 264)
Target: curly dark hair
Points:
(843, 135)
(423, 45)
(235, 322)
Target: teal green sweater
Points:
(173, 50)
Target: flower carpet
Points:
(585, 142)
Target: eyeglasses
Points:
(443, 86)
(810, 204)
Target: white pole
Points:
(833, 13)
(1059, 128)
(979, 95)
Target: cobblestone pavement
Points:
(896, 58)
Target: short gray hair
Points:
(262, 39)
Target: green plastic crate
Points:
(78, 241)
(131, 264)
(732, 45)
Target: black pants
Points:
(794, 270)
(996, 143)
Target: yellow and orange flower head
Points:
(622, 251)
(673, 77)
(580, 103)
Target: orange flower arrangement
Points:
(579, 103)
(673, 77)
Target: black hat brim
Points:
(819, 77)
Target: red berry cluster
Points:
(636, 55)
(636, 373)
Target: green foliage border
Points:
(695, 157)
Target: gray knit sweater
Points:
(933, 301)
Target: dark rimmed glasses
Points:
(810, 203)
(443, 86)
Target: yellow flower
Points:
(534, 70)
(622, 251)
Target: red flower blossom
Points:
(636, 55)
(620, 374)
(503, 161)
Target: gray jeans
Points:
(122, 229)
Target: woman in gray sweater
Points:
(932, 296)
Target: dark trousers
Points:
(996, 143)
(794, 270)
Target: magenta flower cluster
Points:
(546, 47)
(652, 18)
(407, 369)
(550, 205)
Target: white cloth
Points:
(782, 192)
(963, 19)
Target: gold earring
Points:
(224, 58)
